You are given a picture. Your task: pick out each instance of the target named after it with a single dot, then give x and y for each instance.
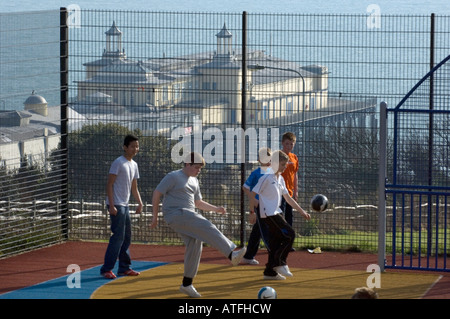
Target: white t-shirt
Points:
(126, 171)
(270, 188)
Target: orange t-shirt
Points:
(290, 171)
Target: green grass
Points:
(350, 241)
(368, 242)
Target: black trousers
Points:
(281, 237)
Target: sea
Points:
(29, 51)
(389, 7)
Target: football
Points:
(319, 203)
(267, 293)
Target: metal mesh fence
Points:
(199, 80)
(31, 175)
(318, 76)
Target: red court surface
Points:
(51, 262)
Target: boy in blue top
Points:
(259, 230)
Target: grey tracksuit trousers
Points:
(195, 229)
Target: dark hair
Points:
(129, 138)
(365, 293)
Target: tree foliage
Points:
(93, 148)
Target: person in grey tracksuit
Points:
(181, 196)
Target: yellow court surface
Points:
(243, 282)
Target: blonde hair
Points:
(289, 136)
(279, 156)
(194, 158)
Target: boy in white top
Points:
(259, 230)
(122, 182)
(270, 188)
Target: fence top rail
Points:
(412, 192)
(425, 187)
(438, 192)
(419, 111)
(256, 13)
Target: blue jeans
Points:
(119, 242)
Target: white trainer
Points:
(236, 256)
(283, 270)
(190, 291)
(277, 277)
(250, 261)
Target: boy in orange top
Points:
(290, 174)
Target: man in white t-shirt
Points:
(122, 182)
(271, 188)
